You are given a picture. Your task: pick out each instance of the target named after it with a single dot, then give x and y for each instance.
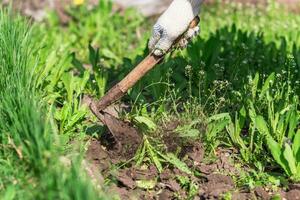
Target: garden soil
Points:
(214, 179)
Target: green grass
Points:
(30, 166)
(240, 76)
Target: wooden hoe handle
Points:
(121, 88)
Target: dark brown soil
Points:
(261, 193)
(122, 140)
(293, 195)
(213, 179)
(98, 156)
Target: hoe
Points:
(123, 132)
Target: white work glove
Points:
(172, 24)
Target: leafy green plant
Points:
(216, 124)
(281, 126)
(286, 155)
(28, 139)
(189, 130)
(145, 123)
(234, 130)
(158, 157)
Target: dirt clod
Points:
(219, 178)
(261, 193)
(121, 139)
(195, 152)
(97, 156)
(173, 185)
(125, 179)
(147, 174)
(243, 196)
(166, 194)
(293, 195)
(217, 185)
(166, 174)
(294, 186)
(126, 138)
(207, 169)
(123, 193)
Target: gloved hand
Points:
(173, 23)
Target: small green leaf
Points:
(83, 81)
(276, 197)
(172, 159)
(254, 85)
(9, 193)
(218, 117)
(242, 117)
(153, 156)
(141, 153)
(65, 112)
(296, 146)
(183, 180)
(261, 125)
(191, 133)
(267, 85)
(109, 54)
(277, 153)
(94, 57)
(67, 80)
(145, 122)
(146, 184)
(293, 122)
(75, 118)
(217, 124)
(288, 155)
(252, 112)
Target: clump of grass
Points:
(22, 121)
(30, 168)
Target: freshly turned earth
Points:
(215, 178)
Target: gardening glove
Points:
(172, 24)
